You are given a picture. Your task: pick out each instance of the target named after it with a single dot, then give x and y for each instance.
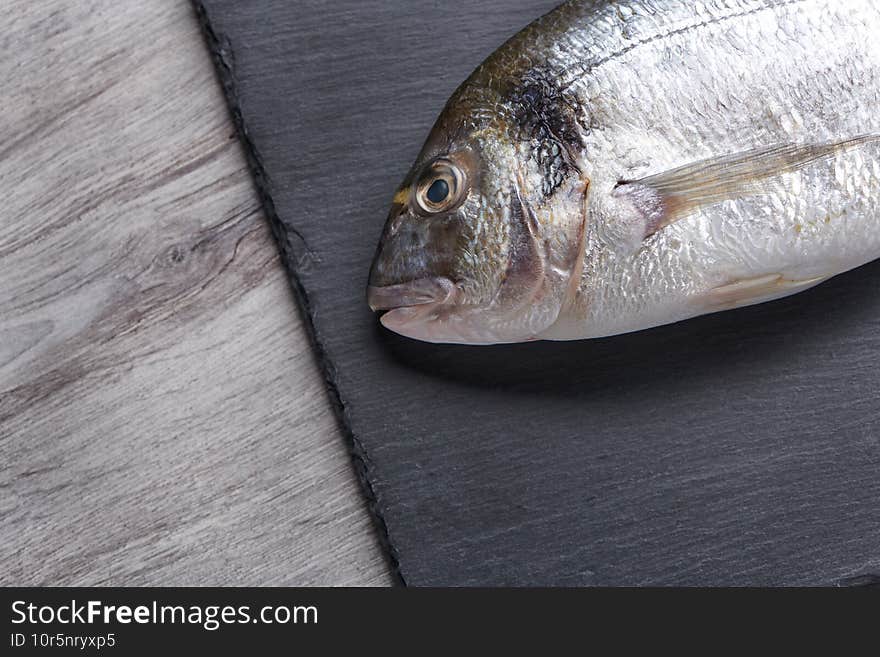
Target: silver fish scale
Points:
(669, 83)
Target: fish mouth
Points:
(421, 292)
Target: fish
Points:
(617, 166)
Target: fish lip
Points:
(419, 292)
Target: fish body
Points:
(621, 165)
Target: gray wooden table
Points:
(162, 420)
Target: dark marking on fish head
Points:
(545, 117)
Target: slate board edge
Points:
(224, 62)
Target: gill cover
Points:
(545, 259)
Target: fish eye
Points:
(438, 191)
(441, 187)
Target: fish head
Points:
(473, 250)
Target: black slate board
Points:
(742, 448)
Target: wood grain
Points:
(162, 420)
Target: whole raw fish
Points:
(620, 165)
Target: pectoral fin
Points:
(664, 198)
